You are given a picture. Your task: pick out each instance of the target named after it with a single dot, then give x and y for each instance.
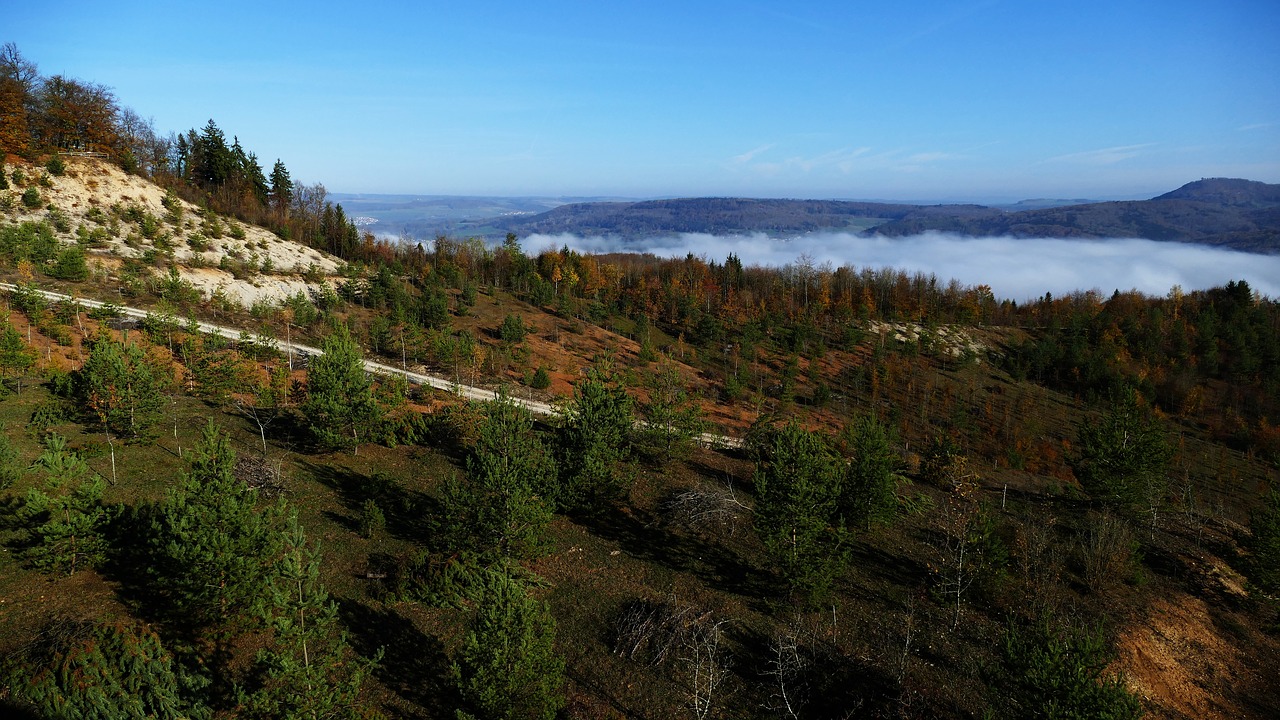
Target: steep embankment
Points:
(125, 221)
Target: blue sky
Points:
(919, 101)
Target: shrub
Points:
(56, 165)
(540, 380)
(60, 221)
(513, 330)
(31, 198)
(372, 520)
(1059, 672)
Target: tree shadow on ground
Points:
(642, 535)
(409, 513)
(414, 665)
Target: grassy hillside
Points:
(995, 533)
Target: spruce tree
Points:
(340, 405)
(308, 671)
(1050, 670)
(507, 668)
(281, 187)
(502, 506)
(65, 518)
(797, 488)
(212, 547)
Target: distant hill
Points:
(1236, 214)
(724, 216)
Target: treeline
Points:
(1212, 355)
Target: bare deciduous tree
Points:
(706, 664)
(708, 506)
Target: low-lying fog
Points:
(1015, 268)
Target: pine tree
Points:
(212, 547)
(1265, 543)
(15, 356)
(121, 388)
(868, 491)
(507, 668)
(1049, 671)
(797, 489)
(340, 404)
(673, 419)
(308, 671)
(502, 507)
(65, 518)
(593, 439)
(1123, 458)
(11, 467)
(110, 670)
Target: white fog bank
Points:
(1015, 268)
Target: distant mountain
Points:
(1237, 214)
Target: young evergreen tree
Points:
(502, 507)
(15, 356)
(308, 671)
(64, 518)
(340, 405)
(212, 547)
(121, 388)
(593, 440)
(797, 490)
(1049, 671)
(1123, 457)
(11, 467)
(673, 418)
(507, 668)
(868, 491)
(111, 670)
(1265, 543)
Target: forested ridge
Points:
(947, 504)
(1237, 214)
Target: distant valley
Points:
(1229, 213)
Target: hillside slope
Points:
(125, 221)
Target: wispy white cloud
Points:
(1103, 156)
(750, 155)
(844, 161)
(1015, 268)
(1255, 126)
